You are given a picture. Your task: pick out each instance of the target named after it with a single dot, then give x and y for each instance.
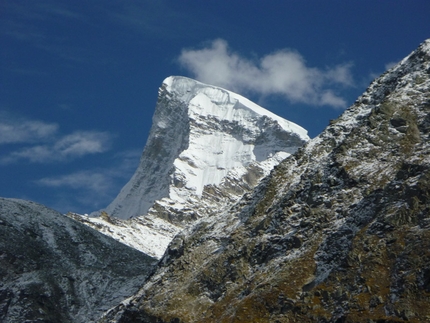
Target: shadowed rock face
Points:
(339, 232)
(54, 269)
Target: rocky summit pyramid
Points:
(206, 148)
(338, 232)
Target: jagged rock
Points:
(54, 269)
(339, 231)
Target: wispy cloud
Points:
(93, 188)
(390, 65)
(71, 146)
(18, 131)
(149, 18)
(92, 181)
(283, 72)
(82, 143)
(35, 23)
(21, 18)
(97, 180)
(53, 26)
(41, 142)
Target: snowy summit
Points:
(200, 133)
(207, 147)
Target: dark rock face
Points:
(339, 232)
(54, 269)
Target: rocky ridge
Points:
(339, 231)
(54, 269)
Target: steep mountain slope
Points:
(54, 269)
(148, 234)
(206, 148)
(339, 232)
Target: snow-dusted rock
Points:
(148, 234)
(54, 269)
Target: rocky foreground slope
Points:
(54, 269)
(339, 232)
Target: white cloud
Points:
(329, 98)
(20, 131)
(40, 142)
(341, 74)
(280, 73)
(390, 65)
(82, 143)
(93, 181)
(97, 180)
(94, 188)
(33, 154)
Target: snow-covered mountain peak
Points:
(216, 101)
(200, 133)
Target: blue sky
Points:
(79, 79)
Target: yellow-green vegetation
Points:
(105, 216)
(382, 274)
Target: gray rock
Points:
(54, 269)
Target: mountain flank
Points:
(54, 269)
(338, 232)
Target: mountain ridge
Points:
(54, 269)
(338, 232)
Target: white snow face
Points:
(200, 133)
